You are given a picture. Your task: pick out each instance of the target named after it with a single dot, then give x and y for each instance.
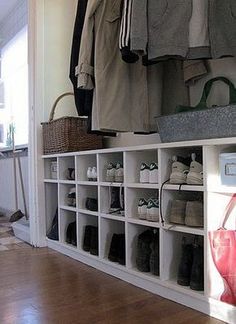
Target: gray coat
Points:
(161, 27)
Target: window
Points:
(14, 89)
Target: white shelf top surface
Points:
(206, 142)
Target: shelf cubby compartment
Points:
(66, 167)
(132, 199)
(166, 155)
(212, 168)
(168, 196)
(171, 257)
(133, 161)
(83, 221)
(84, 192)
(64, 190)
(134, 230)
(67, 217)
(51, 169)
(107, 195)
(51, 203)
(83, 162)
(108, 228)
(104, 160)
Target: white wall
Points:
(7, 197)
(59, 18)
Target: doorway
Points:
(14, 113)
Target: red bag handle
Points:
(228, 210)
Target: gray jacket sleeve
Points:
(139, 27)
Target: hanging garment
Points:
(194, 70)
(199, 42)
(161, 28)
(83, 98)
(122, 92)
(124, 40)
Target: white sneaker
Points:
(94, 174)
(179, 171)
(195, 175)
(153, 210)
(89, 174)
(144, 173)
(142, 208)
(110, 173)
(119, 173)
(153, 173)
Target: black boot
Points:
(121, 250)
(197, 274)
(87, 238)
(73, 234)
(114, 248)
(154, 256)
(94, 241)
(68, 234)
(144, 251)
(185, 265)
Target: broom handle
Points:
(14, 170)
(22, 187)
(15, 180)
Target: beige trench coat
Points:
(127, 97)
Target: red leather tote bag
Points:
(223, 249)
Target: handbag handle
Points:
(52, 113)
(207, 88)
(228, 210)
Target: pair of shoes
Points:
(92, 174)
(191, 270)
(149, 209)
(91, 204)
(149, 174)
(71, 197)
(71, 237)
(115, 172)
(117, 249)
(186, 170)
(189, 213)
(70, 174)
(116, 200)
(90, 242)
(147, 258)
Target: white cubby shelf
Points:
(214, 196)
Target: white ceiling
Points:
(5, 7)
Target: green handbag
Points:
(206, 91)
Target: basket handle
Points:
(51, 117)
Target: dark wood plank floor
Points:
(42, 286)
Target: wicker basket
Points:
(67, 134)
